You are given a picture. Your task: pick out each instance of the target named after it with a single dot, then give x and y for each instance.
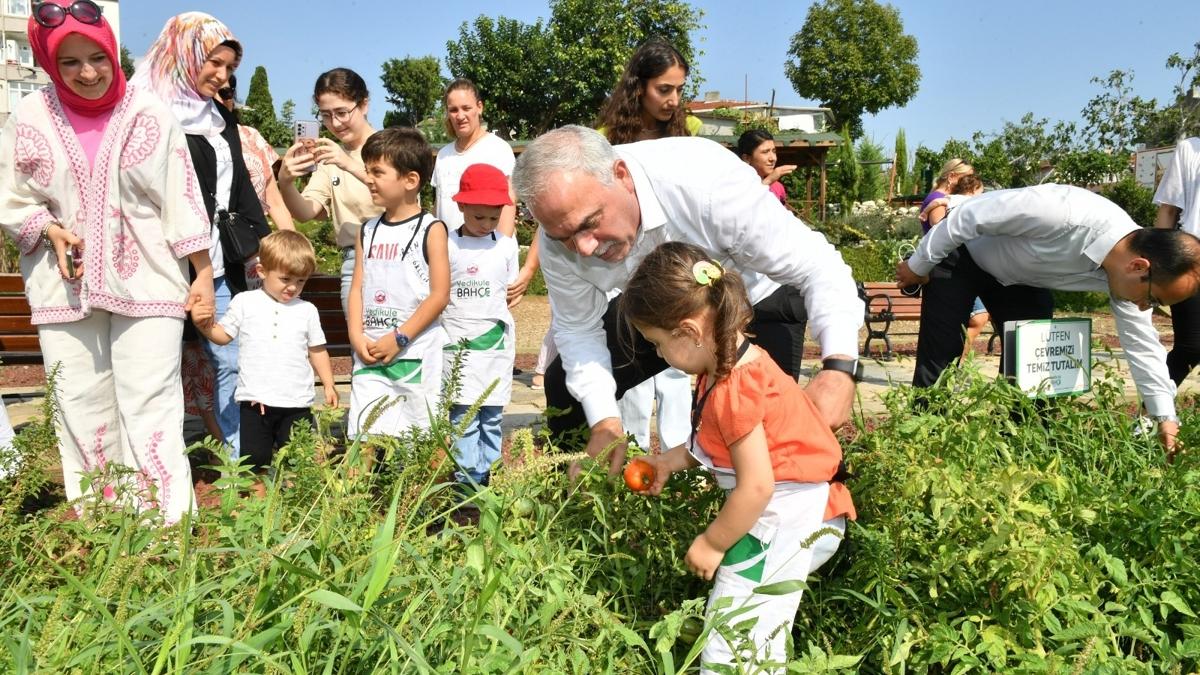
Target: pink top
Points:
(89, 130)
(776, 189)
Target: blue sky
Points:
(981, 63)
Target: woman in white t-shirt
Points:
(474, 144)
(337, 188)
(1177, 196)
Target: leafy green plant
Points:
(1002, 534)
(844, 173)
(872, 182)
(996, 533)
(1135, 198)
(10, 257)
(321, 234)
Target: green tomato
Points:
(691, 629)
(523, 507)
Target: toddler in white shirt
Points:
(280, 343)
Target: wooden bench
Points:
(19, 338)
(325, 292)
(884, 303)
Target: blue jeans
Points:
(347, 277)
(224, 360)
(479, 446)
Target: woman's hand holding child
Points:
(203, 314)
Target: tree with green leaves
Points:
(900, 181)
(258, 111)
(510, 63)
(595, 38)
(1115, 120)
(537, 76)
(414, 86)
(126, 62)
(1184, 112)
(844, 173)
(926, 165)
(854, 57)
(1089, 167)
(1014, 156)
(871, 182)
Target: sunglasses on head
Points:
(51, 15)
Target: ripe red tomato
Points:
(639, 475)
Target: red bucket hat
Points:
(483, 184)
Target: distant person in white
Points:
(1010, 246)
(1178, 199)
(602, 210)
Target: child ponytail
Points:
(677, 281)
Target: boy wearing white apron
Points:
(479, 325)
(400, 286)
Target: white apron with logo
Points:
(395, 282)
(772, 552)
(477, 321)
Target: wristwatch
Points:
(402, 340)
(851, 367)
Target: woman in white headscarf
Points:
(186, 66)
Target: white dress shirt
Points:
(694, 190)
(1181, 183)
(1055, 236)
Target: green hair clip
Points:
(707, 271)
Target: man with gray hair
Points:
(602, 209)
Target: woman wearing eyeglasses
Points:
(97, 191)
(192, 59)
(337, 187)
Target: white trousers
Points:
(120, 401)
(773, 552)
(671, 390)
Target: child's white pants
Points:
(120, 399)
(771, 553)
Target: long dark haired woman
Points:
(647, 102)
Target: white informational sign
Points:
(1049, 357)
(1149, 165)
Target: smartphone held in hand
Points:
(306, 132)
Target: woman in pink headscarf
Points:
(97, 190)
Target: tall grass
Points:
(1049, 538)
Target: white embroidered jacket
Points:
(138, 208)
